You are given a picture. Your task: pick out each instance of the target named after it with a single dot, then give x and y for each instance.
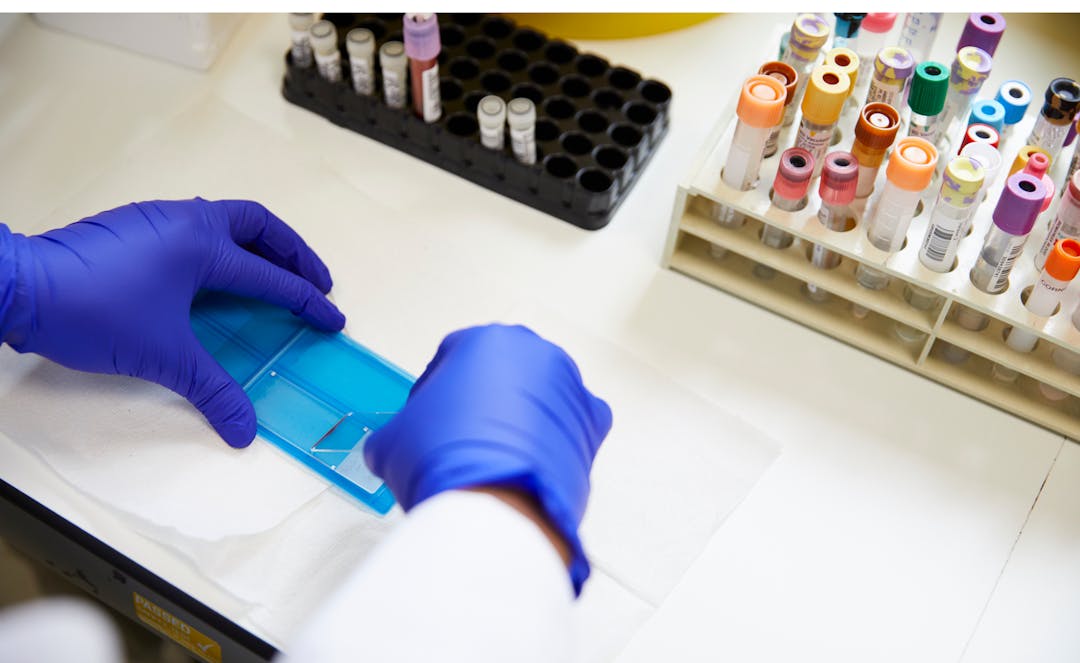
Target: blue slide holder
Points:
(317, 396)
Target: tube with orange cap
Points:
(1062, 265)
(1067, 222)
(760, 107)
(839, 177)
(874, 135)
(787, 76)
(825, 95)
(808, 34)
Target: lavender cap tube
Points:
(1020, 203)
(983, 29)
(421, 32)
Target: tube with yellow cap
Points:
(874, 135)
(846, 61)
(960, 185)
(787, 75)
(760, 107)
(825, 95)
(1062, 265)
(969, 71)
(808, 34)
(893, 67)
(910, 169)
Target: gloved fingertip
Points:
(322, 279)
(238, 427)
(322, 313)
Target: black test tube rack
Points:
(597, 124)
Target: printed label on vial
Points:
(1053, 234)
(492, 137)
(523, 142)
(394, 88)
(815, 141)
(939, 247)
(1000, 277)
(429, 81)
(363, 81)
(881, 93)
(921, 131)
(301, 49)
(329, 67)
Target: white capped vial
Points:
(301, 44)
(491, 114)
(360, 42)
(327, 56)
(395, 67)
(521, 116)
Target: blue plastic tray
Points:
(317, 396)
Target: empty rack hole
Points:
(451, 35)
(640, 113)
(575, 86)
(449, 89)
(655, 92)
(610, 157)
(497, 27)
(625, 135)
(546, 130)
(529, 91)
(592, 122)
(472, 101)
(495, 82)
(543, 74)
(528, 40)
(512, 60)
(576, 143)
(466, 19)
(560, 52)
(560, 165)
(590, 65)
(559, 108)
(462, 124)
(623, 78)
(464, 68)
(596, 181)
(480, 48)
(606, 98)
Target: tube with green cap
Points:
(929, 87)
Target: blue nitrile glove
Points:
(112, 293)
(497, 406)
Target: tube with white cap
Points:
(521, 118)
(918, 34)
(991, 162)
(327, 55)
(360, 43)
(491, 116)
(395, 72)
(301, 52)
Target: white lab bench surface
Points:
(899, 521)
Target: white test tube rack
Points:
(693, 234)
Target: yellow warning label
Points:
(176, 629)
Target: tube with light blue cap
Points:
(987, 111)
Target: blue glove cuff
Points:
(7, 278)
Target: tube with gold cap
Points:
(874, 135)
(969, 71)
(825, 95)
(787, 75)
(960, 185)
(760, 108)
(846, 61)
(893, 67)
(808, 34)
(910, 169)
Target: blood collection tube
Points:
(991, 162)
(893, 67)
(1074, 165)
(874, 135)
(1014, 97)
(988, 112)
(789, 78)
(839, 177)
(1067, 222)
(300, 24)
(1062, 264)
(491, 115)
(360, 43)
(960, 185)
(909, 171)
(422, 46)
(521, 118)
(1037, 165)
(808, 34)
(1058, 111)
(1023, 156)
(846, 30)
(789, 194)
(821, 106)
(395, 71)
(969, 71)
(926, 99)
(846, 61)
(981, 133)
(327, 55)
(872, 35)
(918, 34)
(983, 29)
(1014, 216)
(760, 108)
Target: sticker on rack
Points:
(176, 629)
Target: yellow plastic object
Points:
(608, 26)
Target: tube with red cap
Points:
(981, 133)
(839, 178)
(422, 45)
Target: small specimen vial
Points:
(491, 115)
(327, 55)
(360, 43)
(394, 73)
(302, 55)
(521, 116)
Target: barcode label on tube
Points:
(1001, 274)
(939, 246)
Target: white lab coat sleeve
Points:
(464, 577)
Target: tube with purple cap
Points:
(983, 29)
(422, 45)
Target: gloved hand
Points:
(112, 293)
(497, 406)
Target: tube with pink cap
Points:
(789, 194)
(839, 179)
